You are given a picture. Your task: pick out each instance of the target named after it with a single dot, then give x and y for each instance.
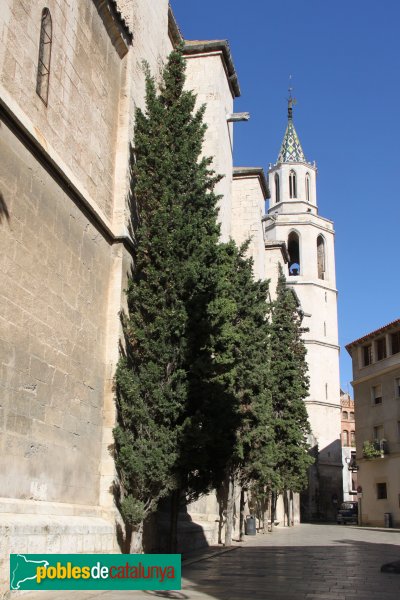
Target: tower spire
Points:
(291, 150)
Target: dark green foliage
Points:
(289, 384)
(238, 376)
(176, 244)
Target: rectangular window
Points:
(381, 349)
(376, 393)
(395, 342)
(367, 355)
(381, 491)
(378, 433)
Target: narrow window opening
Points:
(43, 71)
(294, 254)
(308, 187)
(321, 257)
(326, 391)
(381, 349)
(395, 342)
(381, 491)
(367, 354)
(292, 185)
(352, 438)
(397, 387)
(345, 415)
(345, 437)
(377, 394)
(277, 189)
(324, 329)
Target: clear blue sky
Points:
(344, 59)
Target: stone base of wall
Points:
(29, 527)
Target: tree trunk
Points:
(286, 520)
(221, 498)
(266, 504)
(241, 524)
(291, 510)
(174, 516)
(136, 543)
(229, 511)
(272, 510)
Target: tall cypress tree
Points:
(290, 384)
(238, 380)
(168, 292)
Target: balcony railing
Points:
(375, 449)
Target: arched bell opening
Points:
(321, 257)
(294, 253)
(277, 189)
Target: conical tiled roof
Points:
(291, 150)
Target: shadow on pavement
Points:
(345, 569)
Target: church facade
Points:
(70, 79)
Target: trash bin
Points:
(388, 520)
(250, 525)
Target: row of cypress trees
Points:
(212, 378)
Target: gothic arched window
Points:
(292, 185)
(345, 415)
(321, 257)
(345, 437)
(277, 189)
(353, 438)
(43, 71)
(294, 253)
(308, 196)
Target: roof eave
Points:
(372, 334)
(193, 47)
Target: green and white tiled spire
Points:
(291, 150)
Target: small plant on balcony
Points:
(373, 450)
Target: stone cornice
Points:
(319, 343)
(206, 47)
(376, 374)
(311, 282)
(174, 32)
(292, 222)
(321, 403)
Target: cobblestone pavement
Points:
(308, 562)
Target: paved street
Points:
(310, 562)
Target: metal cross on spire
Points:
(291, 101)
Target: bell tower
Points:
(293, 219)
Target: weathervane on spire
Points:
(291, 101)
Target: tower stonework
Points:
(293, 218)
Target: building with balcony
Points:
(348, 447)
(376, 383)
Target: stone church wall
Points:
(206, 75)
(54, 273)
(80, 120)
(64, 258)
